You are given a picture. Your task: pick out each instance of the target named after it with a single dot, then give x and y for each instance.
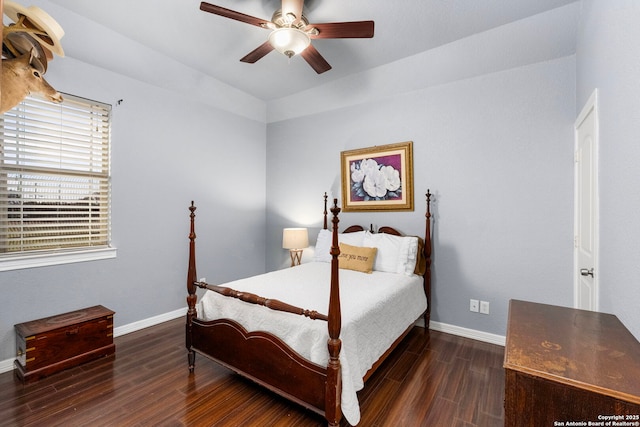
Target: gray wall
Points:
(496, 151)
(168, 149)
(501, 168)
(494, 146)
(608, 58)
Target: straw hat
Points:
(37, 19)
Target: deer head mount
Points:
(27, 46)
(19, 79)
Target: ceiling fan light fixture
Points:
(289, 41)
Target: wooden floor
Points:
(432, 379)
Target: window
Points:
(55, 193)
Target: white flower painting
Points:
(378, 178)
(373, 181)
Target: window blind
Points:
(55, 190)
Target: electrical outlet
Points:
(473, 305)
(484, 307)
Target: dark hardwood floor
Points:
(432, 379)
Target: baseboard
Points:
(151, 321)
(7, 365)
(468, 333)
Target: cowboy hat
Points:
(38, 20)
(17, 44)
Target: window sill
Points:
(43, 260)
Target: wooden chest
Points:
(49, 345)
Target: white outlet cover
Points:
(484, 307)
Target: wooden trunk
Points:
(49, 345)
(569, 367)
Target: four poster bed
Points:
(319, 361)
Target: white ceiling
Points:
(213, 45)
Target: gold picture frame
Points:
(378, 178)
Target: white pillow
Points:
(408, 255)
(354, 239)
(323, 243)
(396, 254)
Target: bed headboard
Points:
(424, 265)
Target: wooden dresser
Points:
(568, 367)
(49, 345)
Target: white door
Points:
(586, 207)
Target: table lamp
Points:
(295, 239)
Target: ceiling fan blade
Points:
(343, 30)
(228, 13)
(313, 58)
(257, 53)
(293, 7)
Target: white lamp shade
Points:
(289, 41)
(295, 238)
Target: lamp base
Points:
(296, 256)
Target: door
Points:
(586, 207)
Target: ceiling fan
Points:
(291, 32)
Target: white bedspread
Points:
(376, 308)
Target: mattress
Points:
(376, 309)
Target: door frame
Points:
(590, 106)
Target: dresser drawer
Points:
(46, 346)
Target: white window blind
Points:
(55, 190)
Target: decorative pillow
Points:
(396, 254)
(323, 243)
(356, 258)
(421, 261)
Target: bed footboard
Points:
(264, 359)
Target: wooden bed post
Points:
(427, 257)
(333, 411)
(325, 210)
(191, 288)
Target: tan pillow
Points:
(421, 262)
(358, 258)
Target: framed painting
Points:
(379, 178)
